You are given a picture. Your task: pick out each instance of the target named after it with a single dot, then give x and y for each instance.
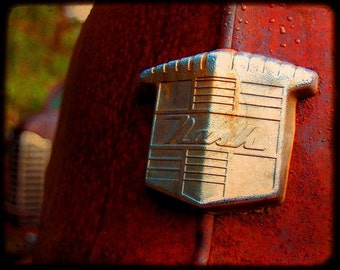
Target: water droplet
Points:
(246, 22)
(283, 45)
(240, 20)
(271, 51)
(243, 6)
(270, 29)
(272, 20)
(292, 26)
(289, 18)
(297, 41)
(229, 12)
(237, 28)
(282, 29)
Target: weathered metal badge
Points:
(223, 127)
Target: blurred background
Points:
(38, 47)
(40, 39)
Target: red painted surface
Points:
(96, 208)
(298, 232)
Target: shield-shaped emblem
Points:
(223, 127)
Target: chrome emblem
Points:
(223, 127)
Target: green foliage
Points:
(40, 39)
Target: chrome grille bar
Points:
(28, 159)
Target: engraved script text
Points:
(187, 132)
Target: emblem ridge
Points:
(220, 135)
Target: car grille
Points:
(29, 154)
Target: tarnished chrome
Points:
(223, 127)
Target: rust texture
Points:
(300, 231)
(97, 209)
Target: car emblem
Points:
(223, 127)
